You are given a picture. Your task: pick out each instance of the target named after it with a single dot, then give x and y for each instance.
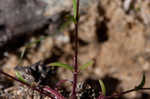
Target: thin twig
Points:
(28, 85)
(126, 92)
(55, 93)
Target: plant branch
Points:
(132, 90)
(126, 92)
(75, 75)
(55, 93)
(28, 85)
(101, 96)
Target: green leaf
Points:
(35, 42)
(27, 46)
(18, 75)
(70, 19)
(138, 9)
(75, 8)
(21, 56)
(142, 82)
(22, 53)
(66, 66)
(84, 66)
(102, 87)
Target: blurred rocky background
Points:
(115, 34)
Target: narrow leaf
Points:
(84, 66)
(21, 56)
(102, 87)
(70, 19)
(18, 75)
(75, 8)
(35, 42)
(66, 66)
(27, 46)
(142, 82)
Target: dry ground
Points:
(118, 41)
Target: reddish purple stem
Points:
(60, 82)
(75, 74)
(28, 85)
(55, 93)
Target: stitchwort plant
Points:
(54, 93)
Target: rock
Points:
(19, 17)
(25, 16)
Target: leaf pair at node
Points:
(66, 66)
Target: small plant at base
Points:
(54, 94)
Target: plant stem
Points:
(120, 94)
(28, 85)
(75, 75)
(126, 92)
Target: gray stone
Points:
(18, 17)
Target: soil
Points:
(115, 38)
